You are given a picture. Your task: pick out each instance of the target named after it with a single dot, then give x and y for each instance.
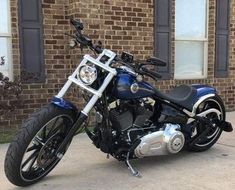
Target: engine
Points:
(128, 115)
(134, 128)
(163, 142)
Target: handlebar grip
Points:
(151, 73)
(77, 24)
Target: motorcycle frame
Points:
(82, 116)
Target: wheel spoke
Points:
(205, 106)
(44, 131)
(32, 163)
(38, 141)
(54, 129)
(34, 147)
(32, 156)
(53, 125)
(213, 133)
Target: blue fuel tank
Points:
(127, 87)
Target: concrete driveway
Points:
(86, 168)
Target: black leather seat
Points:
(185, 96)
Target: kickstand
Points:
(134, 172)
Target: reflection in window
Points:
(191, 39)
(5, 38)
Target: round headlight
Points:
(87, 74)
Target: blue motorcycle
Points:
(133, 119)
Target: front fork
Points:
(83, 114)
(96, 94)
(61, 150)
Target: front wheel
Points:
(213, 135)
(31, 155)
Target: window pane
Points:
(191, 18)
(189, 57)
(4, 16)
(4, 57)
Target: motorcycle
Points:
(133, 119)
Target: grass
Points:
(6, 136)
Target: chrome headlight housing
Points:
(87, 74)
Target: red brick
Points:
(49, 1)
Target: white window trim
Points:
(9, 48)
(205, 40)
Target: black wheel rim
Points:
(213, 133)
(39, 157)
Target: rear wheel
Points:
(214, 133)
(31, 155)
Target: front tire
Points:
(214, 134)
(30, 156)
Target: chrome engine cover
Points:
(168, 141)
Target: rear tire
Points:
(45, 130)
(212, 137)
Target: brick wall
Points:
(121, 26)
(129, 26)
(57, 61)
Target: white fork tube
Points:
(90, 104)
(64, 89)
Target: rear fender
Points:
(203, 92)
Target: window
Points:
(5, 39)
(191, 39)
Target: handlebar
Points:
(140, 69)
(152, 74)
(85, 41)
(156, 61)
(77, 24)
